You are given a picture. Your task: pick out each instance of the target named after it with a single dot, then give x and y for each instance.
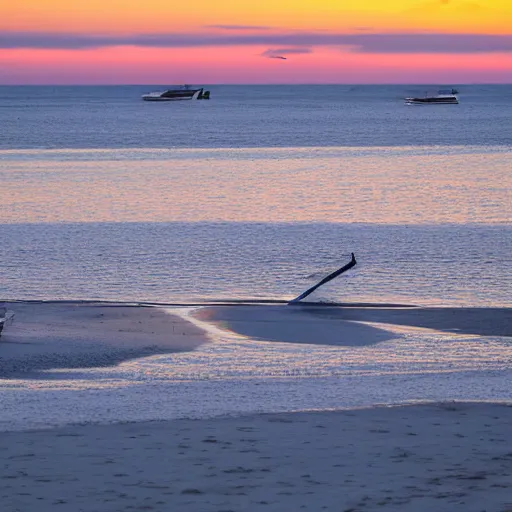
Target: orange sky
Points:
(227, 41)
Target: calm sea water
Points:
(257, 194)
(252, 117)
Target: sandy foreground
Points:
(444, 457)
(430, 457)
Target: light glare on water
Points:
(397, 185)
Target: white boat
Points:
(443, 97)
(184, 92)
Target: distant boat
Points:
(443, 97)
(185, 92)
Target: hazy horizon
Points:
(269, 84)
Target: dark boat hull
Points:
(178, 95)
(449, 100)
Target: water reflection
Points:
(379, 185)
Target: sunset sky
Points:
(228, 41)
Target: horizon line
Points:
(253, 84)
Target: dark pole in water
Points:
(348, 266)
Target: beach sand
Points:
(423, 458)
(354, 325)
(47, 336)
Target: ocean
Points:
(257, 194)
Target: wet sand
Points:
(355, 325)
(47, 336)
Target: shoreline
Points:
(448, 405)
(63, 363)
(211, 302)
(54, 335)
(444, 456)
